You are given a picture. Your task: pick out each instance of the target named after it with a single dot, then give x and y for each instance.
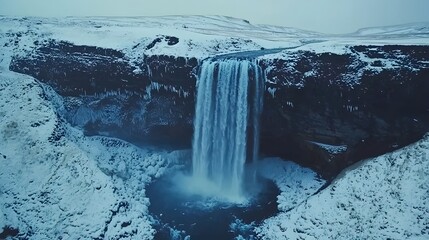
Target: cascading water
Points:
(221, 190)
(222, 134)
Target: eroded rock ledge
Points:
(322, 110)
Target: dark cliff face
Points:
(149, 101)
(353, 100)
(325, 111)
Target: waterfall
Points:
(229, 100)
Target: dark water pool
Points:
(182, 216)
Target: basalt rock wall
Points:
(322, 110)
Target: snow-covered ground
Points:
(382, 198)
(295, 182)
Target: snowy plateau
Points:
(58, 183)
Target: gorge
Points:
(115, 111)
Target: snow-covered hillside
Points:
(382, 198)
(405, 30)
(198, 36)
(54, 182)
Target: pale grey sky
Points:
(329, 16)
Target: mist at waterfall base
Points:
(183, 213)
(219, 195)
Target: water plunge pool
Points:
(180, 215)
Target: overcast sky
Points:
(329, 16)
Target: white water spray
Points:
(221, 134)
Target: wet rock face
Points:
(323, 110)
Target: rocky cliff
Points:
(150, 101)
(323, 110)
(330, 110)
